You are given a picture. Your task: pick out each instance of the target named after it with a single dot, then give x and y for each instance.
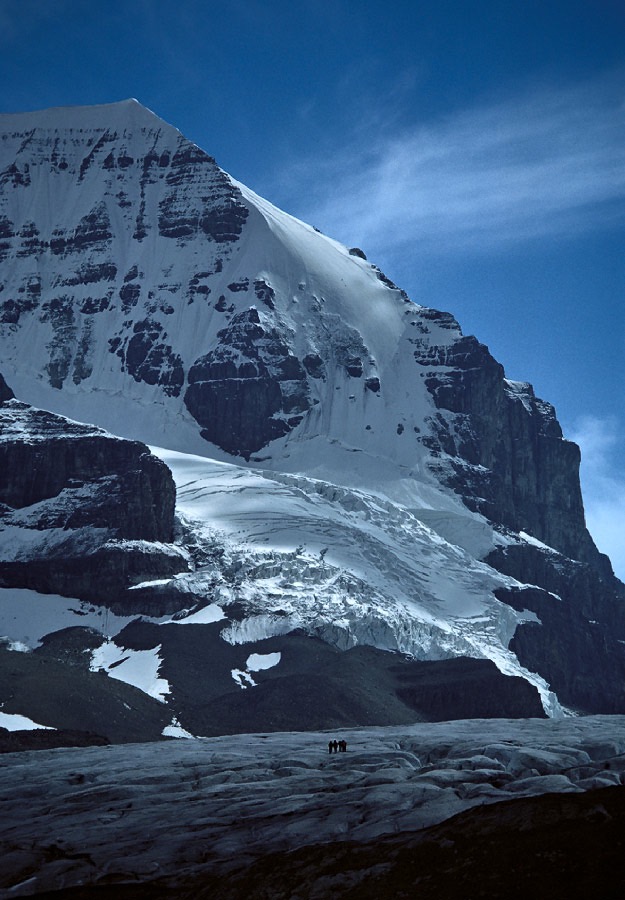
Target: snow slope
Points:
(325, 301)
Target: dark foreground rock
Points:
(552, 847)
(469, 809)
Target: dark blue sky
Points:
(474, 149)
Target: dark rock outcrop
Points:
(317, 686)
(466, 688)
(147, 356)
(577, 644)
(47, 739)
(250, 390)
(5, 391)
(509, 459)
(97, 511)
(43, 455)
(86, 707)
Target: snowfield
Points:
(350, 566)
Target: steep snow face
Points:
(154, 295)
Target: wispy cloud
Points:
(603, 483)
(548, 163)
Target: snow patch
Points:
(16, 646)
(204, 616)
(136, 667)
(256, 662)
(15, 722)
(530, 539)
(520, 390)
(175, 730)
(147, 584)
(243, 679)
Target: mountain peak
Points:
(101, 117)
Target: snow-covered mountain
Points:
(362, 473)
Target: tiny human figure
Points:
(330, 746)
(343, 746)
(335, 744)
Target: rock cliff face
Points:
(578, 638)
(87, 513)
(511, 463)
(5, 391)
(509, 459)
(250, 389)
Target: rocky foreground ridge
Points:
(454, 810)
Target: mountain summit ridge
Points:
(144, 290)
(97, 116)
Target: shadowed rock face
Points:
(147, 357)
(93, 510)
(5, 391)
(42, 454)
(248, 391)
(577, 645)
(510, 461)
(318, 686)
